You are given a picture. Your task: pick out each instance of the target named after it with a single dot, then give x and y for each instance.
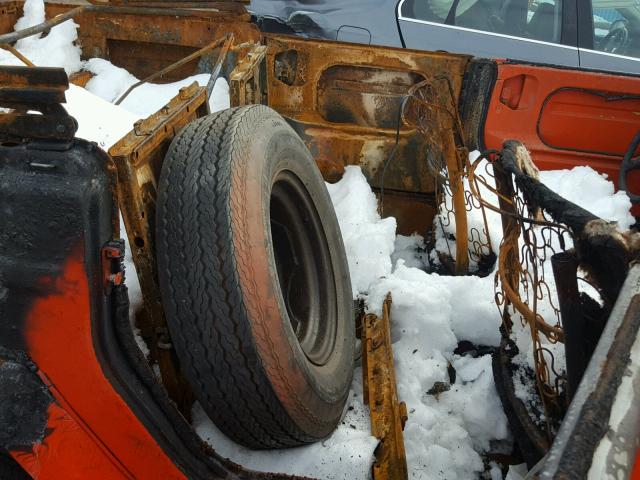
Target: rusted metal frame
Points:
(343, 99)
(598, 248)
(74, 12)
(41, 27)
(234, 5)
(456, 174)
(508, 255)
(442, 127)
(388, 415)
(509, 273)
(509, 260)
(509, 270)
(203, 51)
(138, 158)
(245, 81)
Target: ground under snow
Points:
(446, 432)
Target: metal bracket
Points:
(388, 415)
(112, 268)
(245, 83)
(24, 89)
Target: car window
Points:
(535, 19)
(616, 27)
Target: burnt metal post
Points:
(511, 230)
(565, 270)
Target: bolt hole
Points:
(139, 242)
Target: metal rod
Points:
(173, 66)
(17, 54)
(215, 71)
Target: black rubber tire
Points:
(220, 287)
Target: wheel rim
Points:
(303, 263)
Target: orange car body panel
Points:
(565, 118)
(91, 418)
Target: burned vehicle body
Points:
(346, 102)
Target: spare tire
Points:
(254, 278)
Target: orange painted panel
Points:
(68, 452)
(60, 342)
(635, 474)
(569, 120)
(601, 122)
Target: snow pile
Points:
(346, 455)
(430, 315)
(412, 250)
(114, 121)
(368, 239)
(448, 426)
(110, 82)
(593, 192)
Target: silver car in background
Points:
(593, 34)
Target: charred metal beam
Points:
(514, 160)
(602, 250)
(63, 17)
(565, 270)
(530, 439)
(388, 415)
(587, 421)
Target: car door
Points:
(565, 117)
(539, 30)
(609, 35)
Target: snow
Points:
(347, 454)
(446, 432)
(593, 192)
(110, 82)
(449, 427)
(115, 122)
(412, 250)
(368, 239)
